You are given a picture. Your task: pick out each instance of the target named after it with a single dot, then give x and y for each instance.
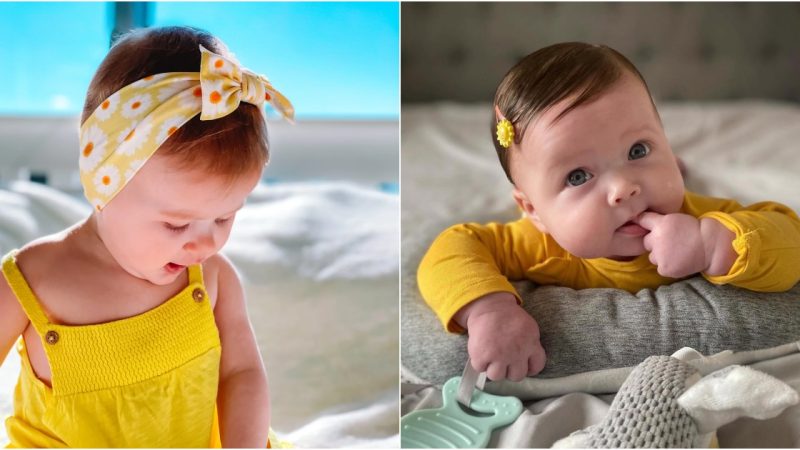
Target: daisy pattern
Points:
(169, 126)
(172, 89)
(107, 108)
(133, 167)
(125, 136)
(106, 180)
(214, 105)
(219, 65)
(131, 140)
(136, 106)
(191, 99)
(93, 148)
(148, 80)
(143, 132)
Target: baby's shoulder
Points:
(217, 266)
(217, 270)
(42, 254)
(56, 266)
(32, 258)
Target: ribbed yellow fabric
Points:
(145, 381)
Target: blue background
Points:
(333, 60)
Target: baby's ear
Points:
(527, 207)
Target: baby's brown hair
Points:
(229, 146)
(549, 75)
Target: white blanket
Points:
(319, 264)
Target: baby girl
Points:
(134, 328)
(604, 205)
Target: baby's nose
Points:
(201, 243)
(621, 191)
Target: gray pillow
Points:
(591, 329)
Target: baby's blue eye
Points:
(638, 151)
(577, 177)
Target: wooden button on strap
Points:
(51, 337)
(198, 295)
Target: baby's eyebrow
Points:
(187, 215)
(564, 159)
(635, 131)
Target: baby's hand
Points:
(681, 245)
(675, 243)
(503, 337)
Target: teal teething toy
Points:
(452, 427)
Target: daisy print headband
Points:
(127, 128)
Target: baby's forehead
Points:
(197, 204)
(162, 184)
(624, 106)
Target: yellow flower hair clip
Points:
(505, 133)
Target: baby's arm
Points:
(464, 278)
(12, 319)
(767, 246)
(243, 397)
(755, 247)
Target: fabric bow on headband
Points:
(126, 129)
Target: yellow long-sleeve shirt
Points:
(470, 260)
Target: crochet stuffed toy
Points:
(665, 402)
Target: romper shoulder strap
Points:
(23, 292)
(196, 274)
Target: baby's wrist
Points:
(718, 243)
(489, 303)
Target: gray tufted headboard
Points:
(686, 51)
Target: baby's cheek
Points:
(671, 199)
(222, 238)
(585, 240)
(671, 189)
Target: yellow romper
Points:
(144, 381)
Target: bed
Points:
(318, 260)
(735, 130)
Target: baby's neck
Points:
(86, 239)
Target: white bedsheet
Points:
(319, 264)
